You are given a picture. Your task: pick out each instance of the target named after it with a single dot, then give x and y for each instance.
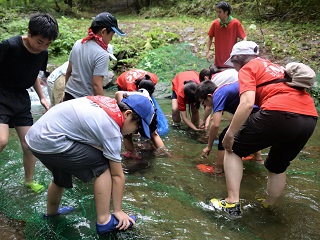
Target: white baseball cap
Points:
(110, 51)
(243, 48)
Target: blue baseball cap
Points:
(106, 19)
(144, 108)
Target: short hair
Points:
(96, 29)
(124, 107)
(224, 6)
(148, 85)
(205, 88)
(43, 24)
(204, 73)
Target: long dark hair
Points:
(190, 88)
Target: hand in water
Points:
(205, 152)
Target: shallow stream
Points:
(170, 196)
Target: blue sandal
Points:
(111, 225)
(61, 211)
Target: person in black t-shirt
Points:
(21, 59)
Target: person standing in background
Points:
(89, 58)
(224, 31)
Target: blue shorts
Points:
(285, 133)
(80, 160)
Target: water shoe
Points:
(111, 225)
(232, 209)
(61, 211)
(36, 187)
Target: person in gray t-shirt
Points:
(89, 58)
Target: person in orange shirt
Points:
(285, 122)
(225, 31)
(184, 86)
(129, 80)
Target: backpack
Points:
(297, 75)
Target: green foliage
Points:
(169, 60)
(315, 92)
(70, 30)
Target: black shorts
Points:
(67, 97)
(15, 107)
(284, 132)
(80, 160)
(174, 95)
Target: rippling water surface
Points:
(170, 196)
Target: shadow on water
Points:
(170, 196)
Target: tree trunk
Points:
(137, 6)
(69, 2)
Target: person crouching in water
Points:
(145, 87)
(184, 86)
(84, 141)
(285, 122)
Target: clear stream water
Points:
(170, 197)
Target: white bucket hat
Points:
(243, 48)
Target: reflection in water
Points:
(170, 195)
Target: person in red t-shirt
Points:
(183, 92)
(225, 31)
(129, 80)
(285, 122)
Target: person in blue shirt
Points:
(220, 99)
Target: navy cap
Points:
(106, 19)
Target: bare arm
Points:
(156, 140)
(119, 96)
(241, 115)
(68, 72)
(97, 85)
(204, 123)
(37, 87)
(216, 120)
(118, 181)
(187, 121)
(209, 43)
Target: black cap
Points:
(106, 19)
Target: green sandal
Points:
(36, 187)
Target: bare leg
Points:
(29, 160)
(275, 186)
(195, 115)
(258, 157)
(176, 118)
(4, 136)
(53, 198)
(218, 168)
(102, 196)
(233, 168)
